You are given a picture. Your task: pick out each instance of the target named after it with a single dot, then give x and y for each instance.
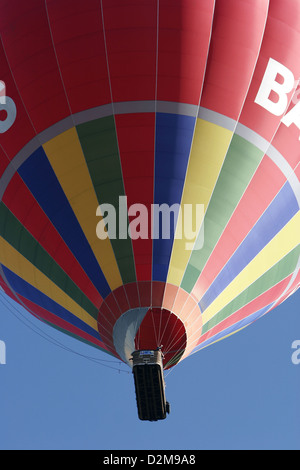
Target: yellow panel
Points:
(16, 263)
(208, 151)
(66, 157)
(285, 241)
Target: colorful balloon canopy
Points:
(165, 102)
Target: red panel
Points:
(145, 293)
(22, 204)
(106, 317)
(169, 296)
(131, 56)
(113, 306)
(236, 39)
(191, 316)
(121, 298)
(105, 327)
(183, 42)
(21, 131)
(158, 289)
(282, 43)
(132, 294)
(4, 161)
(106, 321)
(286, 141)
(31, 56)
(80, 49)
(180, 300)
(136, 144)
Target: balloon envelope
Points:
(140, 106)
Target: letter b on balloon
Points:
(273, 93)
(270, 84)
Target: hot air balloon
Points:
(137, 104)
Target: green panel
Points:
(20, 239)
(238, 169)
(277, 273)
(99, 144)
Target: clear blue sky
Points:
(241, 393)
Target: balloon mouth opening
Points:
(146, 315)
(151, 329)
(163, 329)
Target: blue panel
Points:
(246, 321)
(174, 135)
(277, 215)
(41, 180)
(26, 290)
